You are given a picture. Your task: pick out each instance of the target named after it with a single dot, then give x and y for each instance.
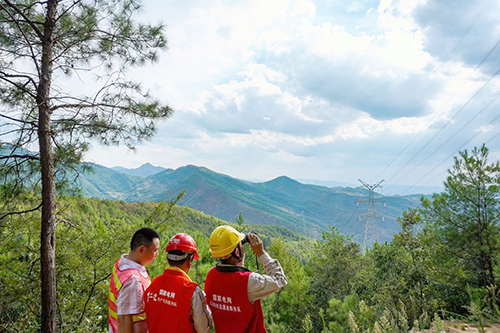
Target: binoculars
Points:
(245, 240)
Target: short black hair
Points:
(143, 236)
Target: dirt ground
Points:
(457, 326)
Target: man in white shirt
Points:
(129, 280)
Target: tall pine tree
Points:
(464, 219)
(41, 44)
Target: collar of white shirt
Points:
(127, 264)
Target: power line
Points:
(456, 132)
(456, 150)
(429, 85)
(460, 110)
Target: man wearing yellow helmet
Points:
(234, 292)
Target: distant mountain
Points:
(105, 183)
(144, 170)
(402, 189)
(389, 190)
(309, 209)
(327, 183)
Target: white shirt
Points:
(129, 300)
(200, 312)
(260, 286)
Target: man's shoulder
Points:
(132, 267)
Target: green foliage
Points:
(332, 286)
(352, 323)
(399, 277)
(307, 324)
(308, 209)
(240, 220)
(438, 324)
(334, 263)
(290, 305)
(339, 313)
(20, 271)
(463, 225)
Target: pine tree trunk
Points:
(48, 232)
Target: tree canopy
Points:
(41, 44)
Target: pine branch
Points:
(29, 157)
(32, 123)
(17, 85)
(20, 12)
(20, 212)
(38, 32)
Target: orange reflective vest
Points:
(167, 302)
(118, 278)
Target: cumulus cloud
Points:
(317, 88)
(461, 30)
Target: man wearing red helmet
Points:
(173, 303)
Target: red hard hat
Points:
(183, 242)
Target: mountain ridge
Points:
(145, 170)
(309, 209)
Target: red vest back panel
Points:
(167, 303)
(227, 297)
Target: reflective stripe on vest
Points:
(118, 278)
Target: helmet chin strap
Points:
(240, 257)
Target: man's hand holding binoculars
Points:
(256, 244)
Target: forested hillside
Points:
(309, 209)
(443, 264)
(92, 233)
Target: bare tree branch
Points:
(67, 222)
(32, 123)
(20, 76)
(67, 10)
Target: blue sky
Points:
(331, 90)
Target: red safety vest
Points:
(167, 302)
(118, 278)
(227, 297)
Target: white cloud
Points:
(306, 87)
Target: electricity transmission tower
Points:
(371, 230)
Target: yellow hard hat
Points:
(224, 240)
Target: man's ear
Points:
(141, 249)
